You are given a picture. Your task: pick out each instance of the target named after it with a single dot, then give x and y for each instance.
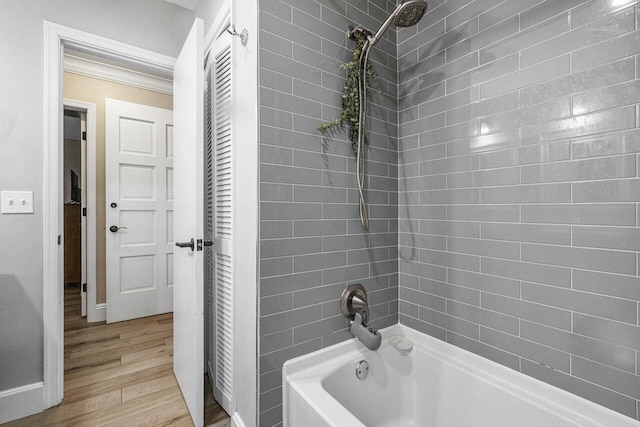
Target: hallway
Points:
(120, 374)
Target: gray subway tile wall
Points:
(504, 214)
(311, 242)
(519, 190)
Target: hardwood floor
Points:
(120, 375)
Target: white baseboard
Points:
(21, 401)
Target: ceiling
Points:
(187, 4)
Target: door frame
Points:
(93, 314)
(55, 38)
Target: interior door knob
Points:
(189, 244)
(115, 228)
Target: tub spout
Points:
(368, 335)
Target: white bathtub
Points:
(435, 384)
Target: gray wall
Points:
(518, 190)
(312, 243)
(151, 24)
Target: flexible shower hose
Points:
(360, 159)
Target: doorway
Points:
(74, 201)
(134, 146)
(79, 128)
(57, 37)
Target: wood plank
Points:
(76, 360)
(116, 327)
(139, 331)
(118, 383)
(184, 421)
(138, 356)
(118, 371)
(115, 343)
(171, 411)
(78, 372)
(90, 337)
(130, 408)
(146, 387)
(149, 337)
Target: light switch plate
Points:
(16, 202)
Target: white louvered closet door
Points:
(219, 222)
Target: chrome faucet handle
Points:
(360, 306)
(354, 300)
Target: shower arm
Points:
(373, 39)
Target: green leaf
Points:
(350, 95)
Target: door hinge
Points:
(84, 136)
(84, 287)
(84, 211)
(59, 239)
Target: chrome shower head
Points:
(409, 13)
(405, 15)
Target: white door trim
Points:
(90, 110)
(103, 71)
(55, 36)
(244, 14)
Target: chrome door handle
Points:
(115, 228)
(189, 244)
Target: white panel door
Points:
(139, 204)
(188, 217)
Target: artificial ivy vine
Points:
(350, 98)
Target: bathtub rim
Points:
(308, 382)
